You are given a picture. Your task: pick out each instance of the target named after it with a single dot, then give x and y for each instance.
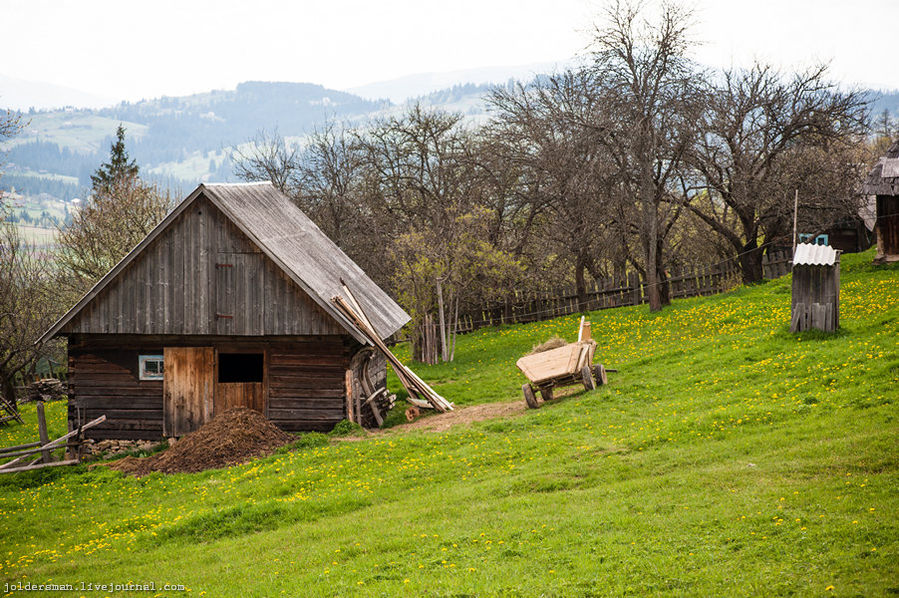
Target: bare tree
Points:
(105, 229)
(26, 309)
(756, 122)
(423, 199)
(569, 178)
(11, 124)
(330, 187)
(269, 158)
(647, 85)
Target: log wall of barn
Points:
(304, 382)
(105, 380)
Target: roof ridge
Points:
(242, 184)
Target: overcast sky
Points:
(132, 49)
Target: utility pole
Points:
(795, 218)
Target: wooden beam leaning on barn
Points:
(420, 394)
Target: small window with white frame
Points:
(150, 367)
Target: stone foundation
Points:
(109, 448)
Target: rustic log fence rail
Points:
(777, 263)
(70, 442)
(524, 306)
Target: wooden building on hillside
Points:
(227, 302)
(816, 288)
(883, 183)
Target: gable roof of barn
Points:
(884, 177)
(291, 240)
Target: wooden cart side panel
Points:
(548, 364)
(556, 363)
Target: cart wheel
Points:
(529, 397)
(587, 378)
(547, 393)
(599, 374)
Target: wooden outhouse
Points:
(227, 302)
(816, 288)
(883, 183)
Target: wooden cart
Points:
(564, 366)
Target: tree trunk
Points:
(663, 286)
(651, 242)
(751, 263)
(8, 388)
(455, 330)
(444, 349)
(662, 278)
(580, 283)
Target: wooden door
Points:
(188, 387)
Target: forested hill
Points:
(181, 138)
(206, 121)
(180, 141)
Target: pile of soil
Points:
(230, 438)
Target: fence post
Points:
(42, 431)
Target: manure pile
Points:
(230, 438)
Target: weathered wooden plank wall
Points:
(887, 225)
(305, 377)
(307, 384)
(816, 298)
(203, 276)
(105, 381)
(239, 394)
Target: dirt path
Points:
(464, 415)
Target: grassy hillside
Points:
(727, 457)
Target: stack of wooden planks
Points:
(420, 394)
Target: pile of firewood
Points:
(46, 389)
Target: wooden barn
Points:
(816, 288)
(227, 302)
(883, 183)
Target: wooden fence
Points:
(531, 306)
(777, 263)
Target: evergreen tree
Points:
(119, 168)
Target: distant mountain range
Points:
(421, 84)
(180, 141)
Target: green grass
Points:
(727, 457)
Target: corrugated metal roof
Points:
(313, 260)
(808, 254)
(284, 233)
